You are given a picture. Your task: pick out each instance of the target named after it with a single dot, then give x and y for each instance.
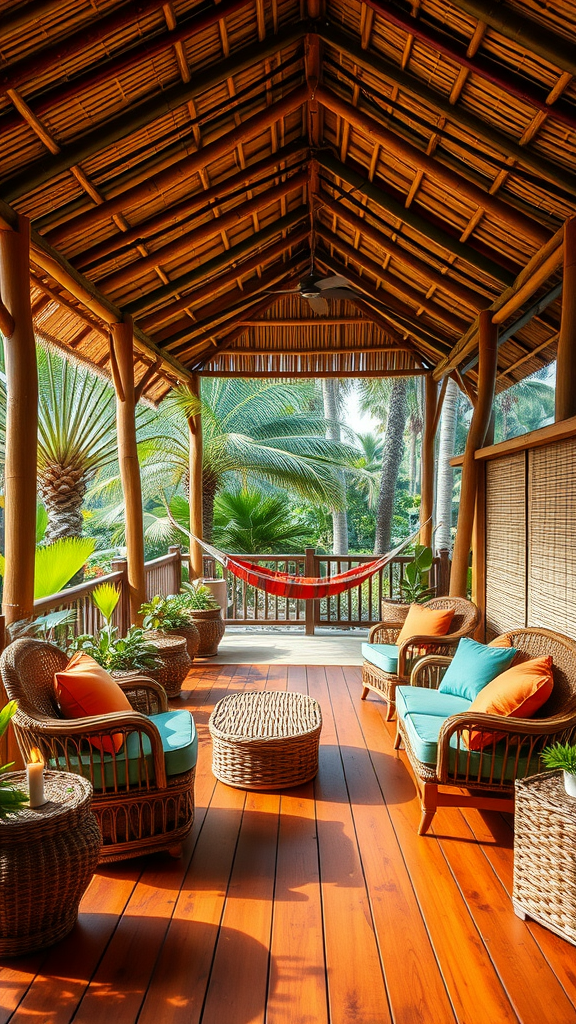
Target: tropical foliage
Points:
(11, 799)
(252, 522)
(56, 564)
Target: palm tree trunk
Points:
(339, 519)
(209, 489)
(445, 480)
(62, 491)
(393, 450)
(412, 469)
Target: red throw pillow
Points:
(516, 693)
(425, 622)
(84, 689)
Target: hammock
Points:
(310, 588)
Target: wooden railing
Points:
(164, 575)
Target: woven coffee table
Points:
(265, 739)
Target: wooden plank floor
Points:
(318, 905)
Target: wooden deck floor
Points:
(320, 905)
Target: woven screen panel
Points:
(505, 544)
(552, 532)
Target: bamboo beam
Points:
(143, 113)
(223, 260)
(407, 215)
(195, 489)
(523, 31)
(397, 252)
(320, 321)
(21, 424)
(186, 243)
(348, 350)
(566, 354)
(122, 361)
(476, 127)
(395, 284)
(210, 335)
(217, 284)
(120, 242)
(487, 368)
(427, 461)
(181, 171)
(521, 88)
(215, 348)
(414, 157)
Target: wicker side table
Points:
(47, 857)
(174, 661)
(545, 854)
(265, 739)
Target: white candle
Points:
(35, 775)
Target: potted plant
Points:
(133, 652)
(413, 587)
(12, 800)
(171, 615)
(562, 755)
(206, 613)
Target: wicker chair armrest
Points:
(409, 649)
(383, 633)
(429, 670)
(145, 694)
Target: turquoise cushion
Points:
(422, 732)
(474, 666)
(421, 701)
(384, 656)
(179, 743)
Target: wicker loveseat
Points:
(144, 792)
(385, 669)
(433, 728)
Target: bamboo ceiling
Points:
(182, 162)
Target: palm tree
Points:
(331, 398)
(388, 398)
(445, 477)
(254, 522)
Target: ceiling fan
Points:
(316, 290)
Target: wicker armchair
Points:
(143, 795)
(464, 623)
(485, 778)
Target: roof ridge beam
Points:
(378, 65)
(433, 232)
(145, 112)
(415, 157)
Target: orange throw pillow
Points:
(516, 693)
(84, 689)
(500, 641)
(425, 622)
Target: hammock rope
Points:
(308, 588)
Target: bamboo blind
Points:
(505, 544)
(552, 535)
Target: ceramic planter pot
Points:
(570, 783)
(210, 625)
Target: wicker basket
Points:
(545, 853)
(47, 857)
(191, 635)
(394, 612)
(210, 625)
(265, 739)
(174, 661)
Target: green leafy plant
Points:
(198, 597)
(11, 799)
(106, 597)
(135, 650)
(52, 627)
(414, 587)
(55, 564)
(560, 755)
(166, 612)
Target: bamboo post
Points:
(195, 482)
(566, 355)
(427, 463)
(487, 366)
(21, 424)
(122, 363)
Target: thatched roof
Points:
(181, 162)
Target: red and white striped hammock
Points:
(309, 588)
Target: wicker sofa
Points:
(432, 727)
(144, 792)
(383, 671)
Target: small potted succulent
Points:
(562, 755)
(12, 800)
(413, 587)
(206, 613)
(171, 615)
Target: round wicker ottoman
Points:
(47, 857)
(265, 739)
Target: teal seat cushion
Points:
(474, 666)
(384, 656)
(422, 732)
(179, 743)
(422, 701)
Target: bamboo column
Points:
(566, 355)
(122, 364)
(427, 460)
(21, 422)
(487, 366)
(195, 482)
